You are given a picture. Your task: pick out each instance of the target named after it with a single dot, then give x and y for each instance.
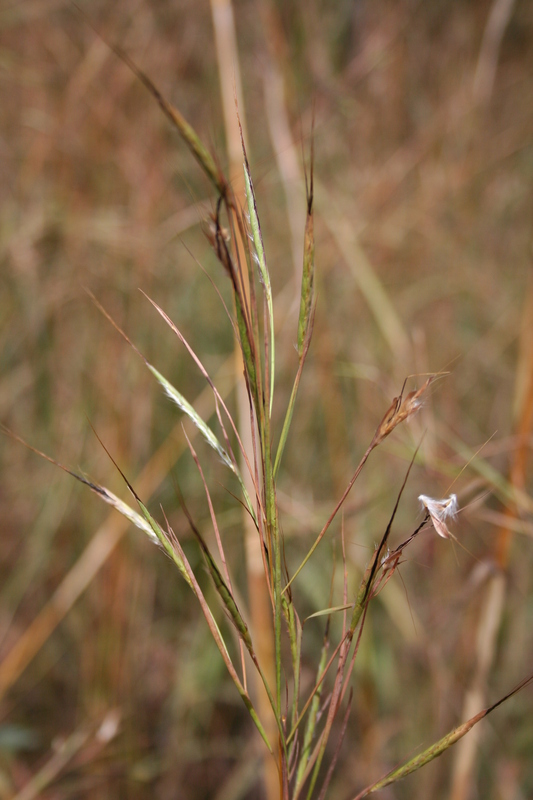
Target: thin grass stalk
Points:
(288, 419)
(276, 554)
(243, 292)
(263, 409)
(222, 589)
(312, 720)
(333, 764)
(225, 591)
(314, 702)
(306, 317)
(232, 463)
(186, 131)
(295, 639)
(226, 455)
(246, 311)
(250, 391)
(92, 559)
(363, 597)
(333, 514)
(439, 747)
(217, 636)
(212, 514)
(494, 601)
(219, 544)
(315, 762)
(259, 258)
(308, 272)
(399, 410)
(365, 588)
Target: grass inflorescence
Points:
(311, 715)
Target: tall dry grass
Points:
(423, 242)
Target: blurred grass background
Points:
(424, 160)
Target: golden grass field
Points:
(110, 684)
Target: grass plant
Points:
(311, 716)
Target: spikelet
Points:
(400, 410)
(440, 511)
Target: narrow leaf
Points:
(327, 611)
(185, 130)
(438, 748)
(308, 272)
(187, 409)
(257, 239)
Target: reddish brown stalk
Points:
(211, 513)
(216, 394)
(342, 734)
(345, 579)
(208, 379)
(398, 411)
(318, 752)
(315, 689)
(216, 634)
(355, 651)
(250, 399)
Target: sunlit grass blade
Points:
(326, 612)
(308, 271)
(438, 748)
(217, 636)
(173, 393)
(185, 130)
(204, 372)
(244, 299)
(219, 581)
(311, 722)
(183, 404)
(144, 522)
(292, 400)
(175, 551)
(259, 258)
(195, 418)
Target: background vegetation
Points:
(424, 166)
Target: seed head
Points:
(439, 511)
(400, 409)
